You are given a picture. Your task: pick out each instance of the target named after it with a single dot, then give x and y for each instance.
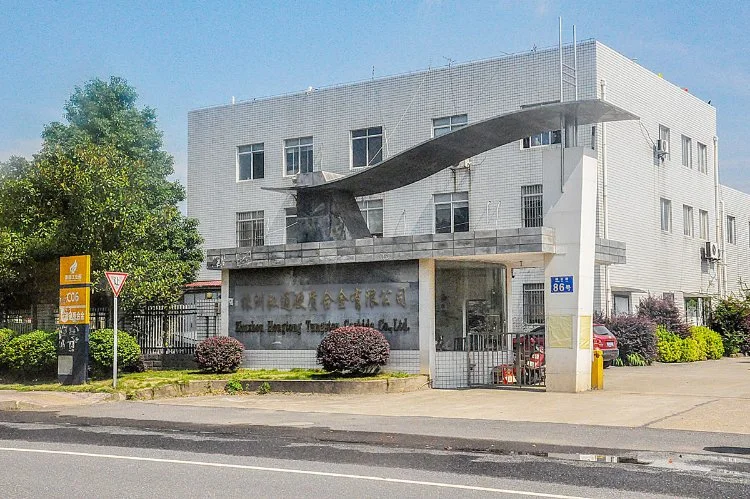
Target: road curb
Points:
(335, 387)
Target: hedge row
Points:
(702, 343)
(35, 353)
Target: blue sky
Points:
(184, 55)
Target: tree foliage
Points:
(99, 186)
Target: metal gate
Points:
(508, 359)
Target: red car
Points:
(604, 340)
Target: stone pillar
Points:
(427, 317)
(571, 211)
(225, 304)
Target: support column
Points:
(225, 303)
(571, 211)
(427, 317)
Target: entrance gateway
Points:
(442, 300)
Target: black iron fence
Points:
(173, 330)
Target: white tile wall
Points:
(405, 106)
(400, 360)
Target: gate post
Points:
(427, 317)
(570, 209)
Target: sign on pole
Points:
(116, 280)
(73, 319)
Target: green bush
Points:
(219, 354)
(663, 312)
(709, 340)
(731, 319)
(30, 353)
(691, 351)
(353, 350)
(669, 345)
(101, 349)
(5, 335)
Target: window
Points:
(452, 212)
(441, 126)
(542, 139)
(621, 303)
(298, 155)
(687, 221)
(250, 162)
(533, 303)
(290, 221)
(531, 202)
(731, 230)
(702, 158)
(687, 152)
(703, 224)
(367, 146)
(697, 310)
(250, 229)
(372, 212)
(666, 215)
(664, 135)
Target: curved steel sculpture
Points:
(327, 209)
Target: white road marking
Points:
(294, 471)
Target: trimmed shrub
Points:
(669, 345)
(353, 350)
(635, 334)
(731, 319)
(691, 351)
(30, 353)
(663, 312)
(101, 350)
(709, 340)
(220, 354)
(5, 335)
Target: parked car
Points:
(604, 340)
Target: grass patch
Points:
(130, 382)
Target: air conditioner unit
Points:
(662, 147)
(710, 251)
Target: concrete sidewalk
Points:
(680, 407)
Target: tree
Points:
(99, 186)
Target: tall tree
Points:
(100, 186)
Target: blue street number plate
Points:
(561, 284)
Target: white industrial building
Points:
(657, 192)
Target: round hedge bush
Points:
(353, 350)
(220, 354)
(30, 353)
(101, 350)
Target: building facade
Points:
(657, 177)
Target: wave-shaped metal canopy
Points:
(436, 154)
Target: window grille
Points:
(533, 303)
(531, 197)
(250, 229)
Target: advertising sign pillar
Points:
(74, 328)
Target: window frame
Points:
(703, 217)
(256, 218)
(367, 137)
(289, 213)
(457, 200)
(553, 138)
(664, 202)
(687, 151)
(665, 134)
(533, 309)
(688, 229)
(366, 209)
(702, 158)
(450, 126)
(529, 193)
(252, 152)
(731, 228)
(298, 146)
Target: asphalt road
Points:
(43, 455)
